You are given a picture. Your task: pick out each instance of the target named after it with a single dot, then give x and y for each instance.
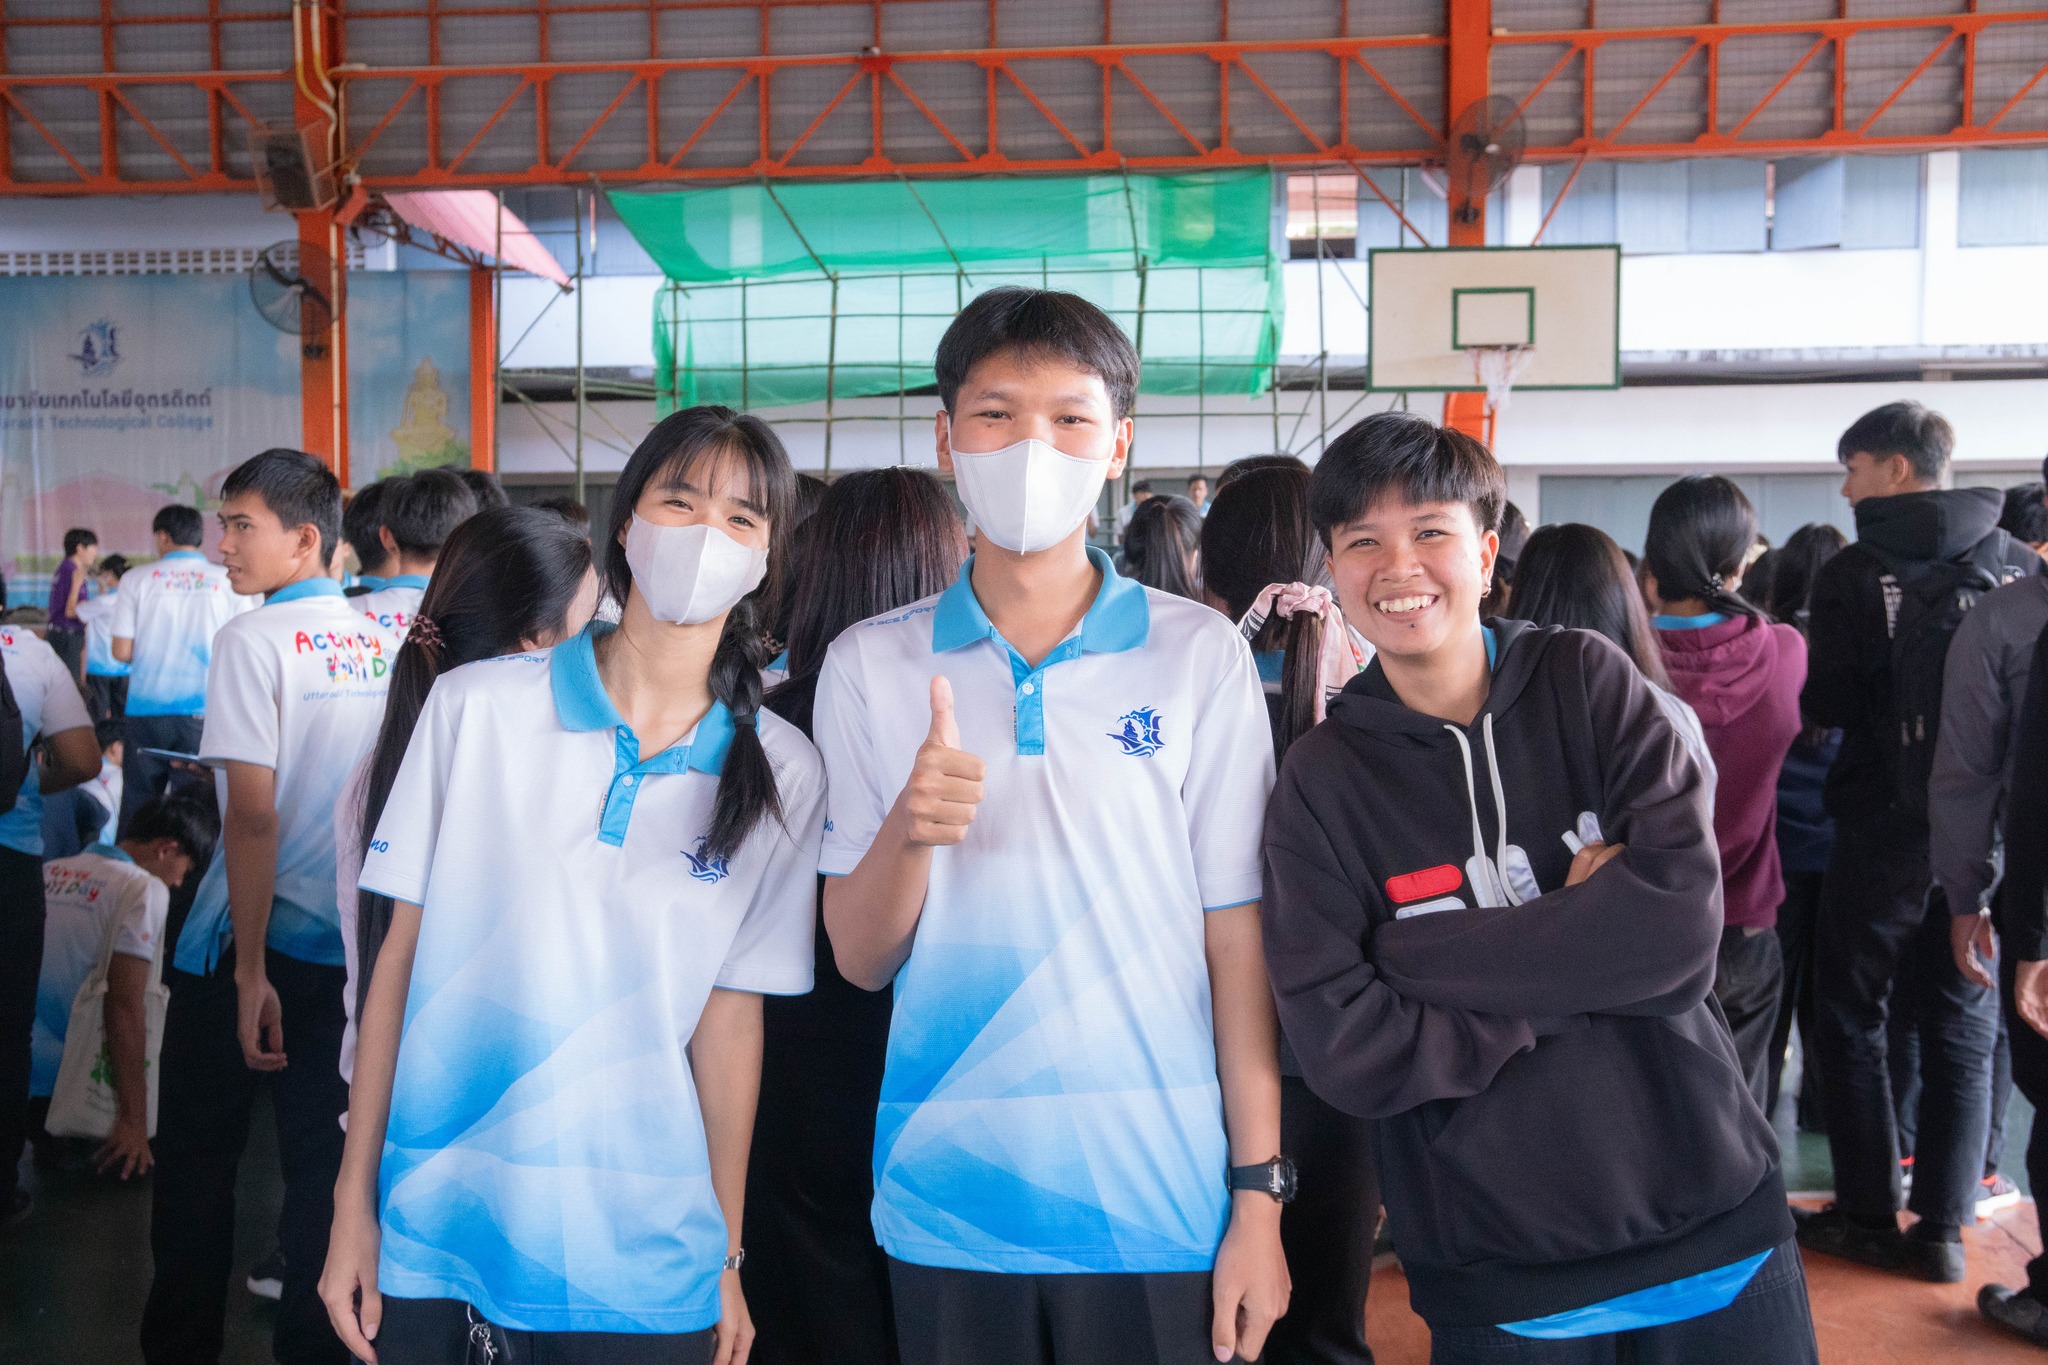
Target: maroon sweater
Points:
(1743, 678)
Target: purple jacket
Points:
(1743, 678)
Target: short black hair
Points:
(1921, 435)
(1197, 477)
(421, 511)
(106, 733)
(2025, 516)
(185, 527)
(191, 822)
(298, 489)
(567, 508)
(114, 564)
(1408, 455)
(362, 519)
(485, 488)
(75, 537)
(1142, 486)
(1038, 322)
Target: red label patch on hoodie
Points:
(1431, 881)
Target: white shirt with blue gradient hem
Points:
(1050, 1103)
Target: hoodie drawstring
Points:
(1492, 869)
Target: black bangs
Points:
(688, 447)
(1408, 456)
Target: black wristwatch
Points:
(1275, 1177)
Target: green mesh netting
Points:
(796, 293)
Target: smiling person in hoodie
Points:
(1492, 909)
(1742, 675)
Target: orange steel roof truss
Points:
(661, 115)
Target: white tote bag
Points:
(82, 1102)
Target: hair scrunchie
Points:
(424, 633)
(1341, 659)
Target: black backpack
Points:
(1925, 603)
(13, 749)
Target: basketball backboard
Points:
(1432, 310)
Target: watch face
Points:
(1284, 1180)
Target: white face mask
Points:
(1027, 496)
(691, 574)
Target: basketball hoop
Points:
(1495, 367)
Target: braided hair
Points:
(688, 446)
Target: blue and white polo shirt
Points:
(545, 1158)
(172, 609)
(48, 695)
(1050, 1102)
(394, 602)
(298, 687)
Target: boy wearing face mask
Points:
(1045, 790)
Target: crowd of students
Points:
(794, 924)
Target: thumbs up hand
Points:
(945, 783)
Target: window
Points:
(1853, 202)
(1322, 214)
(1660, 207)
(2004, 198)
(1419, 191)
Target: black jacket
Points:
(2021, 904)
(1849, 668)
(1561, 1114)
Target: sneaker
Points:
(266, 1281)
(1994, 1194)
(2016, 1310)
(1832, 1233)
(1906, 1174)
(1936, 1259)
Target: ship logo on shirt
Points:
(704, 867)
(1139, 733)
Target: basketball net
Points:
(1495, 367)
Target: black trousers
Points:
(1749, 978)
(203, 1107)
(21, 962)
(1768, 1324)
(1327, 1232)
(1796, 920)
(144, 776)
(1882, 945)
(70, 647)
(978, 1317)
(450, 1332)
(817, 1284)
(106, 696)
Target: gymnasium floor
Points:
(74, 1274)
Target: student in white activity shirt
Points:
(510, 580)
(1047, 788)
(293, 701)
(106, 913)
(416, 515)
(164, 622)
(106, 677)
(602, 856)
(52, 714)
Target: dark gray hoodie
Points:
(1561, 1115)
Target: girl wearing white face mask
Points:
(601, 857)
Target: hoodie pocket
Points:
(1620, 1134)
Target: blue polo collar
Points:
(114, 851)
(1119, 619)
(182, 553)
(405, 580)
(372, 582)
(582, 704)
(305, 587)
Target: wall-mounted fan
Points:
(290, 286)
(1485, 145)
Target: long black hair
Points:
(1258, 533)
(880, 539)
(1574, 575)
(695, 441)
(1701, 531)
(505, 576)
(1164, 536)
(1799, 563)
